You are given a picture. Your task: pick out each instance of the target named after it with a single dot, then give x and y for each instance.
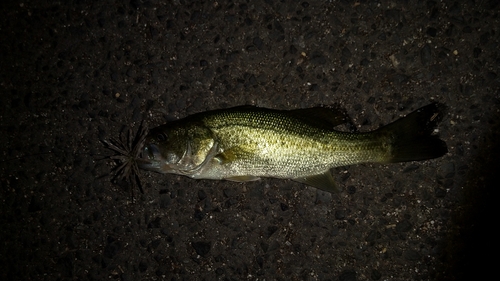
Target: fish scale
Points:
(290, 146)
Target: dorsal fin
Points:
(322, 117)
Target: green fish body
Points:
(245, 143)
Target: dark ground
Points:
(74, 74)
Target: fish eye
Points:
(161, 137)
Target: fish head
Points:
(177, 148)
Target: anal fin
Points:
(322, 181)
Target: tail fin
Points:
(410, 137)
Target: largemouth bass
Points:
(245, 143)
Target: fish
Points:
(246, 143)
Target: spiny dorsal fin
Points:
(323, 117)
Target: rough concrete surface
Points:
(74, 73)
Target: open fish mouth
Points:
(129, 155)
(149, 156)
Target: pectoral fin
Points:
(232, 154)
(322, 181)
(225, 157)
